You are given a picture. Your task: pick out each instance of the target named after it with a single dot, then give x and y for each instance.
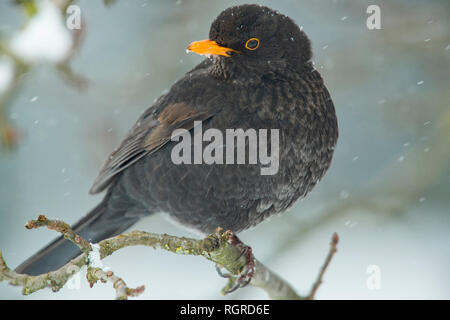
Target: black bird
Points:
(258, 74)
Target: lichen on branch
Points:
(216, 247)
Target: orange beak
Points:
(208, 47)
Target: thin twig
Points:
(56, 279)
(122, 291)
(62, 228)
(318, 282)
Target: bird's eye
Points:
(252, 44)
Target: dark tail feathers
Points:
(100, 223)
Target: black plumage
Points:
(265, 84)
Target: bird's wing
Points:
(152, 131)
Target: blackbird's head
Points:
(256, 39)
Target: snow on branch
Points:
(216, 247)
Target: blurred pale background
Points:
(387, 192)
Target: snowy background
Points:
(387, 192)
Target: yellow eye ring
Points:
(251, 41)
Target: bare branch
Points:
(62, 228)
(333, 250)
(216, 247)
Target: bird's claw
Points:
(220, 273)
(247, 272)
